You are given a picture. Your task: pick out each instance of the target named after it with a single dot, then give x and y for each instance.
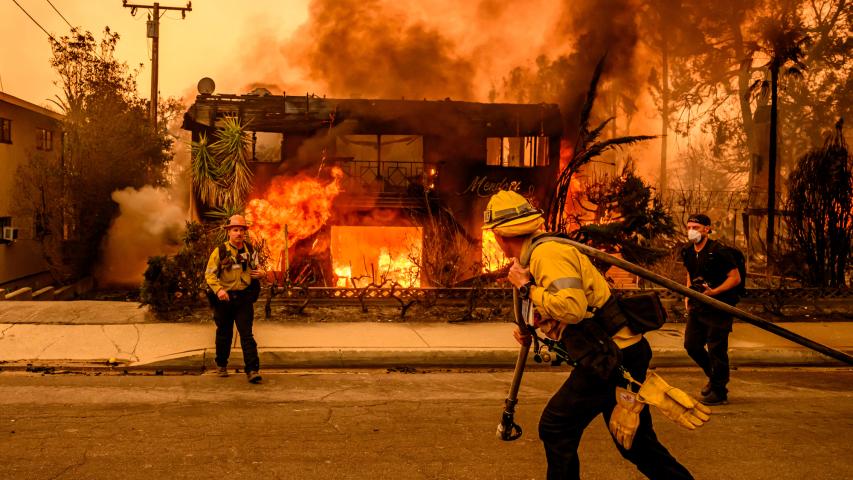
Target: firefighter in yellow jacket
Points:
(565, 289)
(233, 275)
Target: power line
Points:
(55, 41)
(60, 14)
(34, 21)
(154, 34)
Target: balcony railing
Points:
(383, 176)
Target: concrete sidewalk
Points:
(68, 334)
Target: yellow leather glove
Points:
(673, 402)
(625, 417)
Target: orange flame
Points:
(566, 153)
(361, 255)
(302, 203)
(400, 268)
(493, 257)
(344, 274)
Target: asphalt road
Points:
(781, 424)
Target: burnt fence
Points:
(453, 295)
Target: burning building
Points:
(355, 189)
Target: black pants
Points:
(581, 398)
(225, 314)
(710, 329)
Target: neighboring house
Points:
(26, 131)
(397, 155)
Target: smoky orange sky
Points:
(210, 41)
(240, 43)
(339, 48)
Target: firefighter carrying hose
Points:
(572, 304)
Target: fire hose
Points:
(508, 430)
(713, 302)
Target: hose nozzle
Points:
(508, 430)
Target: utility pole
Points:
(664, 109)
(154, 34)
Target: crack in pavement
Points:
(324, 397)
(46, 347)
(419, 336)
(74, 466)
(133, 355)
(3, 332)
(115, 345)
(118, 348)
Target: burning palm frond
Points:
(587, 147)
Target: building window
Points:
(5, 130)
(44, 139)
(517, 151)
(394, 161)
(5, 222)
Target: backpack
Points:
(642, 312)
(740, 262)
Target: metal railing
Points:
(384, 176)
(455, 294)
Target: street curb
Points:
(358, 358)
(473, 358)
(349, 358)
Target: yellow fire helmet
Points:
(510, 214)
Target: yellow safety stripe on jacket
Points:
(229, 279)
(566, 283)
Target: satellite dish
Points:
(206, 86)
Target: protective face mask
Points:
(694, 236)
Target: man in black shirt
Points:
(713, 272)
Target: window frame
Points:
(44, 139)
(5, 130)
(523, 146)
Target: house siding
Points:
(22, 262)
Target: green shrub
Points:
(175, 282)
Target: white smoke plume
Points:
(151, 222)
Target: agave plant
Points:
(205, 171)
(234, 178)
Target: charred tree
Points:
(784, 40)
(820, 224)
(628, 218)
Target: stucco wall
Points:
(23, 258)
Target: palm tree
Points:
(204, 171)
(221, 174)
(784, 41)
(587, 147)
(231, 149)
